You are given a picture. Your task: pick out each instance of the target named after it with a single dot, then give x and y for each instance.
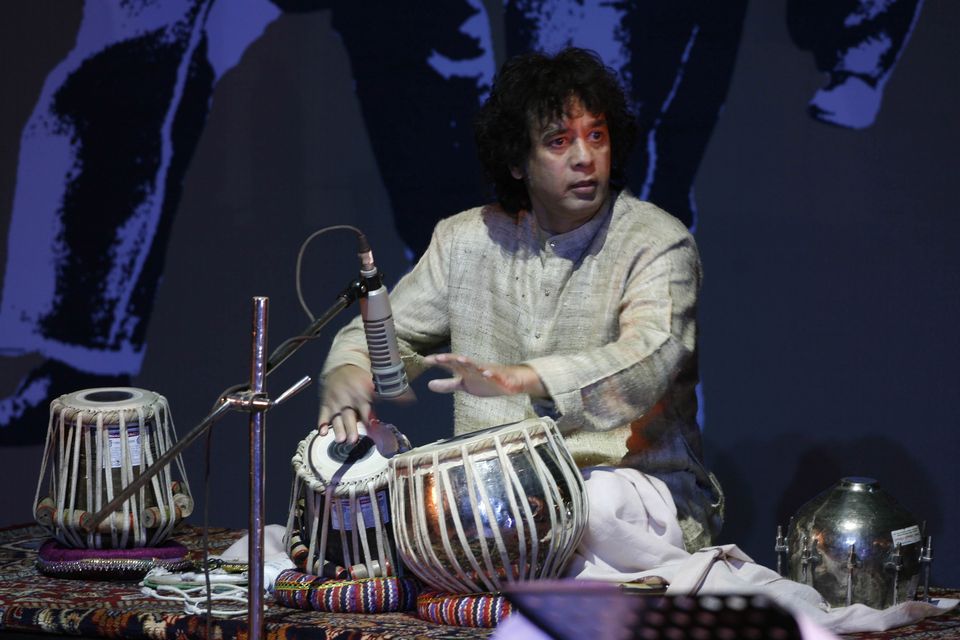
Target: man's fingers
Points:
(344, 420)
(445, 385)
(336, 423)
(364, 412)
(349, 416)
(437, 360)
(344, 425)
(450, 361)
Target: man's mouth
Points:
(584, 187)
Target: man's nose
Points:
(580, 153)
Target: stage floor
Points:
(31, 603)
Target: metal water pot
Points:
(854, 544)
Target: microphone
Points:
(389, 375)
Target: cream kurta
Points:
(605, 314)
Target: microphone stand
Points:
(253, 399)
(258, 376)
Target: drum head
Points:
(336, 463)
(109, 399)
(508, 434)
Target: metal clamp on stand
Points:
(249, 401)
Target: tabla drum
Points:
(500, 505)
(98, 442)
(339, 524)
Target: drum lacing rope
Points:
(443, 488)
(126, 477)
(320, 524)
(166, 438)
(527, 513)
(43, 464)
(440, 545)
(477, 492)
(344, 500)
(477, 496)
(554, 508)
(383, 547)
(91, 438)
(577, 494)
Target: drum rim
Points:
(79, 400)
(305, 469)
(511, 435)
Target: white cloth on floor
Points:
(275, 558)
(273, 546)
(632, 532)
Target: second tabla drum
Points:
(339, 524)
(500, 505)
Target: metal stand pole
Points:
(252, 398)
(258, 373)
(238, 397)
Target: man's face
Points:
(568, 171)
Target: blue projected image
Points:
(105, 151)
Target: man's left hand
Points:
(484, 380)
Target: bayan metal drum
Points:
(854, 544)
(98, 442)
(339, 522)
(500, 505)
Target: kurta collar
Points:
(572, 243)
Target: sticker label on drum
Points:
(903, 537)
(116, 448)
(366, 508)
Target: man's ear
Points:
(517, 173)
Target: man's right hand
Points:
(346, 400)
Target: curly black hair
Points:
(535, 87)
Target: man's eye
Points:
(557, 142)
(597, 136)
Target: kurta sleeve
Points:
(609, 386)
(419, 304)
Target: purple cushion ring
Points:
(58, 561)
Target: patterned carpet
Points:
(33, 603)
(942, 627)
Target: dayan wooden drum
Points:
(98, 442)
(339, 525)
(501, 505)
